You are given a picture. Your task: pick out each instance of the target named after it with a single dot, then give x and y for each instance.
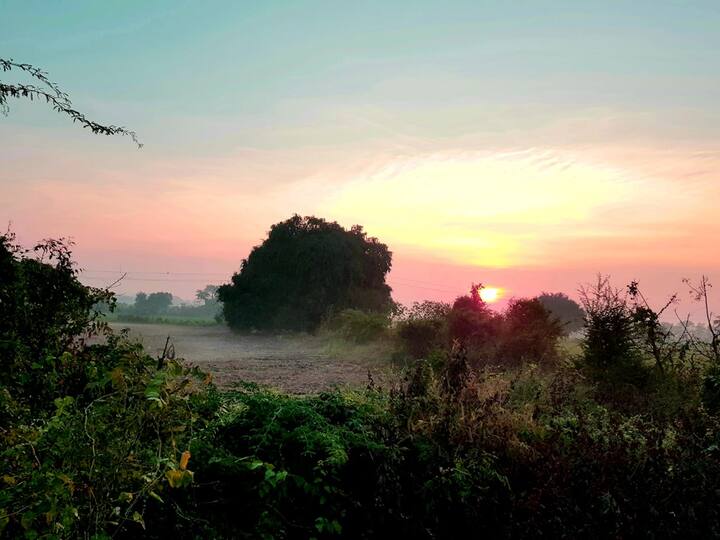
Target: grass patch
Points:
(148, 319)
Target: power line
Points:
(157, 273)
(191, 280)
(134, 276)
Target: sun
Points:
(490, 294)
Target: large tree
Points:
(305, 269)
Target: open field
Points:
(293, 363)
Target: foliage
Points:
(179, 320)
(711, 390)
(105, 456)
(566, 310)
(207, 295)
(295, 467)
(524, 332)
(359, 326)
(153, 303)
(157, 308)
(306, 269)
(705, 344)
(92, 429)
(45, 312)
(529, 333)
(116, 443)
(423, 329)
(451, 452)
(471, 321)
(421, 337)
(612, 346)
(51, 93)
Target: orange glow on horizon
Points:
(490, 295)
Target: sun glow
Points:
(430, 204)
(490, 294)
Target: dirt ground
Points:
(297, 364)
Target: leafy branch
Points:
(52, 94)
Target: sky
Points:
(524, 145)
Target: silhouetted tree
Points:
(153, 303)
(612, 347)
(564, 309)
(51, 93)
(471, 321)
(530, 333)
(208, 295)
(305, 269)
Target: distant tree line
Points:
(160, 305)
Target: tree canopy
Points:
(306, 269)
(566, 310)
(153, 303)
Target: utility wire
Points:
(133, 276)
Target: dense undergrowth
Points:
(100, 440)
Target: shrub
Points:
(360, 326)
(424, 328)
(420, 337)
(46, 315)
(454, 451)
(103, 457)
(711, 389)
(91, 436)
(611, 347)
(281, 466)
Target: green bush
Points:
(104, 456)
(420, 337)
(711, 390)
(359, 326)
(611, 346)
(423, 329)
(513, 456)
(91, 435)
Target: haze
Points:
(527, 146)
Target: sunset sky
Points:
(526, 145)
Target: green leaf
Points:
(177, 478)
(137, 518)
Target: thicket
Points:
(354, 325)
(100, 440)
(93, 431)
(525, 332)
(453, 453)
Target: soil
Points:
(293, 363)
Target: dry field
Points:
(296, 364)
